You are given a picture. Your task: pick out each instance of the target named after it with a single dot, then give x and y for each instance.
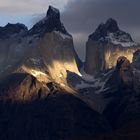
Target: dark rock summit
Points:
(106, 32)
(112, 25)
(49, 23)
(53, 13)
(12, 29)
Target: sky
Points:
(80, 17)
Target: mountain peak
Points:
(111, 25)
(49, 23)
(109, 32)
(12, 29)
(53, 12)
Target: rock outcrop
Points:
(21, 87)
(49, 23)
(12, 29)
(106, 45)
(136, 60)
(123, 73)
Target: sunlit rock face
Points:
(58, 55)
(46, 51)
(55, 49)
(106, 45)
(22, 87)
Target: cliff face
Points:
(106, 45)
(13, 45)
(46, 51)
(101, 57)
(57, 52)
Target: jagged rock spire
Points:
(53, 13)
(49, 23)
(111, 25)
(110, 32)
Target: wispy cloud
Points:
(18, 7)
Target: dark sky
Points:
(81, 18)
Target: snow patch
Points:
(35, 61)
(83, 85)
(86, 76)
(64, 36)
(37, 73)
(101, 85)
(97, 84)
(90, 82)
(120, 40)
(40, 75)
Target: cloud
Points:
(26, 11)
(91, 12)
(83, 16)
(18, 7)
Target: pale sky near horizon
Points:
(80, 17)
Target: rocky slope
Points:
(106, 45)
(57, 117)
(115, 94)
(21, 87)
